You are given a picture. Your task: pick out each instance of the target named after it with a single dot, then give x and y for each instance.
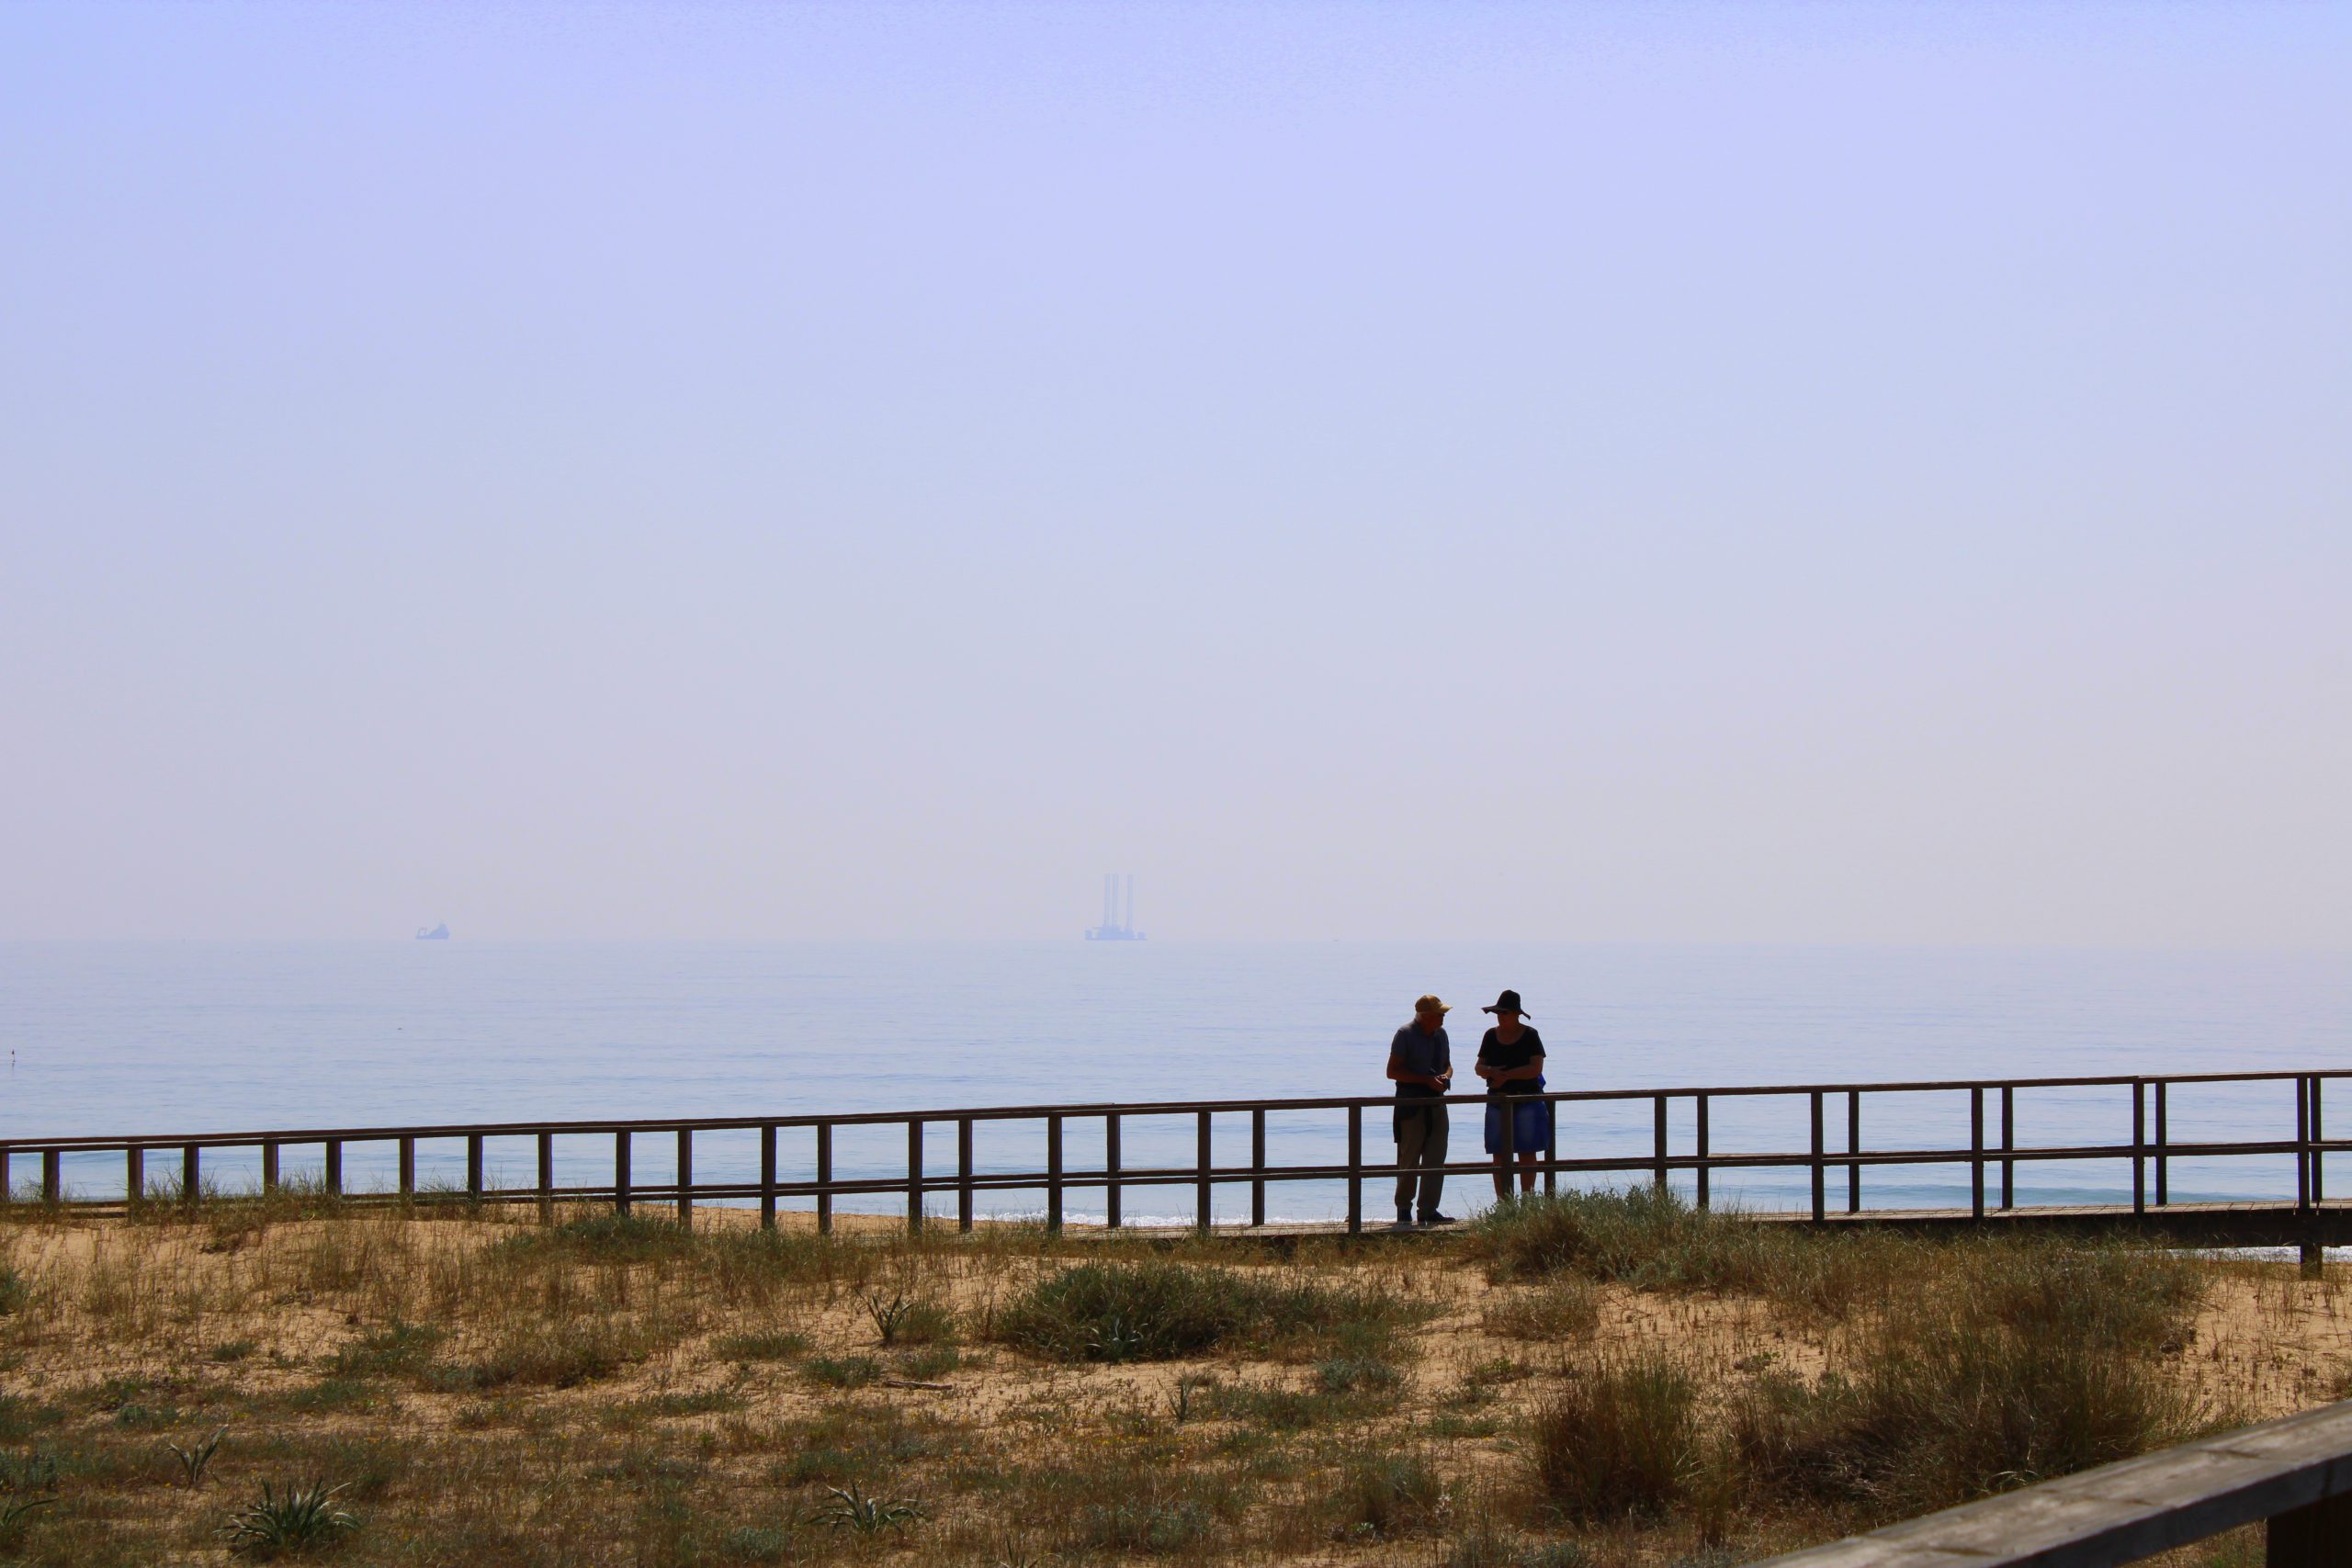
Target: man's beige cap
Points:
(1430, 1004)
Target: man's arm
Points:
(1399, 1073)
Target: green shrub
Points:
(297, 1519)
(20, 1418)
(848, 1507)
(902, 1319)
(605, 1238)
(1280, 1409)
(825, 1466)
(1158, 1528)
(1355, 1374)
(1618, 1439)
(564, 1356)
(935, 1361)
(845, 1371)
(1645, 1236)
(145, 1417)
(398, 1349)
(329, 1394)
(2111, 1295)
(2037, 1359)
(1154, 1311)
(1387, 1495)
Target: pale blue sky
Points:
(1814, 472)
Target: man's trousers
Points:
(1420, 1140)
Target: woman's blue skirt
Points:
(1528, 1119)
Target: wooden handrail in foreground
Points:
(2295, 1473)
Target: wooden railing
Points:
(2294, 1475)
(1992, 1154)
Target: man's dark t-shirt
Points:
(1431, 1055)
(1528, 1047)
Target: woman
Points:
(1510, 1058)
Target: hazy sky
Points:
(1820, 472)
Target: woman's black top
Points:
(1528, 1047)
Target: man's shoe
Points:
(1404, 1219)
(1437, 1219)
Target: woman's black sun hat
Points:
(1507, 1002)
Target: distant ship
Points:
(1114, 929)
(438, 933)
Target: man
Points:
(1421, 1064)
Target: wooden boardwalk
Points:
(1665, 1136)
(2187, 1224)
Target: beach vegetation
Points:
(288, 1520)
(848, 1507)
(1618, 1439)
(1157, 1311)
(1586, 1383)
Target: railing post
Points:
(2314, 1257)
(1658, 1142)
(269, 1167)
(334, 1168)
(1552, 1148)
(2320, 1157)
(914, 1175)
(1355, 1170)
(473, 1167)
(767, 1176)
(2138, 1147)
(1820, 1170)
(1202, 1210)
(964, 1191)
(547, 1178)
(1053, 1174)
(685, 1177)
(1976, 1153)
(8, 1194)
(2302, 1143)
(2164, 1158)
(1258, 1167)
(2009, 1142)
(620, 1173)
(1111, 1217)
(2317, 1535)
(1854, 1146)
(824, 1177)
(52, 1174)
(407, 1174)
(134, 1176)
(191, 1173)
(1704, 1165)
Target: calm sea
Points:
(182, 1037)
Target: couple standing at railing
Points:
(1420, 1063)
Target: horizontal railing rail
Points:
(2293, 1475)
(1992, 1154)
